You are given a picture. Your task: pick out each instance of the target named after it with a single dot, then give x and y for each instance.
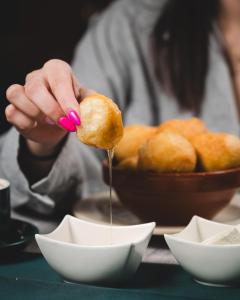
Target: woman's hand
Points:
(46, 107)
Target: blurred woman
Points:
(157, 59)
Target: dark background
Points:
(33, 31)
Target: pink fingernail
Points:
(49, 121)
(65, 123)
(74, 117)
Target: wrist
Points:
(36, 160)
(42, 152)
(38, 149)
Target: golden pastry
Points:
(101, 122)
(217, 151)
(167, 152)
(129, 163)
(188, 128)
(134, 136)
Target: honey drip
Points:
(110, 154)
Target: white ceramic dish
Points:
(82, 251)
(209, 264)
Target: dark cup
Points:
(4, 205)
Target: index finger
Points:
(60, 81)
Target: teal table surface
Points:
(30, 277)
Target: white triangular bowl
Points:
(82, 251)
(210, 264)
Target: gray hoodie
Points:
(114, 59)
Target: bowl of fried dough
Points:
(171, 172)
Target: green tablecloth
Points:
(30, 277)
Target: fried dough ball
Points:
(129, 163)
(167, 152)
(133, 137)
(217, 151)
(101, 122)
(188, 128)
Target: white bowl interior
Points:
(75, 231)
(200, 229)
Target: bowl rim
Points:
(196, 244)
(175, 236)
(47, 237)
(172, 174)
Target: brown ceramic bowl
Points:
(172, 199)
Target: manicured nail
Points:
(74, 117)
(65, 123)
(49, 121)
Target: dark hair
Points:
(180, 49)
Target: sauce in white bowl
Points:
(210, 264)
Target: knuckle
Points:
(20, 124)
(13, 91)
(24, 126)
(9, 112)
(52, 63)
(32, 74)
(58, 84)
(35, 113)
(32, 88)
(51, 110)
